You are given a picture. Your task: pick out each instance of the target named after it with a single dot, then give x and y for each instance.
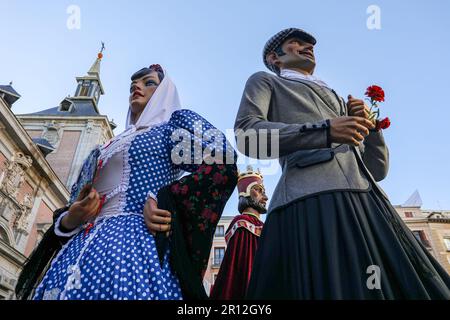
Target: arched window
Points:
(4, 235)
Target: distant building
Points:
(431, 227)
(217, 252)
(40, 157)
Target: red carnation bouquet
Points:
(376, 95)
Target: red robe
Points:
(234, 275)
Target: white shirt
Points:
(295, 75)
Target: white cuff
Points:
(58, 231)
(152, 195)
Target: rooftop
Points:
(10, 95)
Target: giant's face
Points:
(297, 54)
(143, 86)
(259, 197)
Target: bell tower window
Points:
(85, 88)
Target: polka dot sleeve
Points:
(193, 141)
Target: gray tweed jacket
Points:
(311, 164)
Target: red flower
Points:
(218, 178)
(176, 188)
(214, 217)
(187, 204)
(208, 169)
(383, 124)
(156, 67)
(184, 190)
(375, 93)
(207, 213)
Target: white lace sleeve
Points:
(60, 233)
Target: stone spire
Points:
(413, 201)
(95, 68)
(90, 86)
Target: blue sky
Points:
(211, 47)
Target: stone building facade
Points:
(431, 227)
(29, 192)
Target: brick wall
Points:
(61, 160)
(44, 215)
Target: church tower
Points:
(89, 86)
(74, 127)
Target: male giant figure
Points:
(242, 238)
(331, 232)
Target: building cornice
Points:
(426, 220)
(101, 118)
(415, 220)
(17, 132)
(11, 254)
(438, 220)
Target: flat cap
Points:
(273, 43)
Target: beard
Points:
(258, 206)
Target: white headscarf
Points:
(162, 104)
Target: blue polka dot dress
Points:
(115, 258)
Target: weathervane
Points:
(100, 54)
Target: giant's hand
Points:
(85, 208)
(156, 220)
(357, 108)
(349, 130)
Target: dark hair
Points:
(279, 51)
(243, 204)
(248, 202)
(145, 71)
